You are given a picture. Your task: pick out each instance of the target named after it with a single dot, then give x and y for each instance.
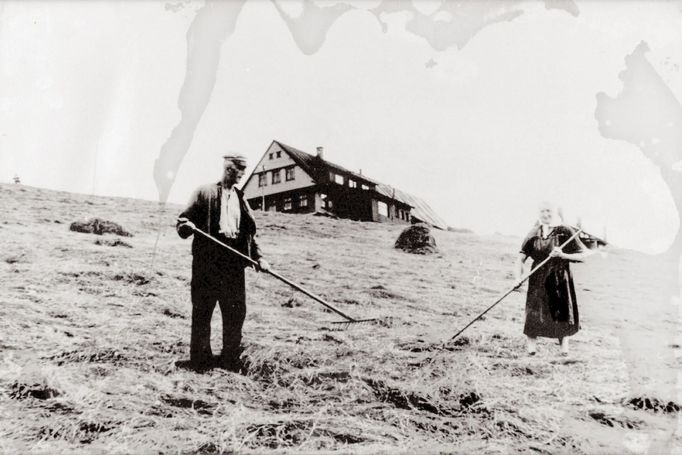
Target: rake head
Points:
(343, 325)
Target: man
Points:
(219, 209)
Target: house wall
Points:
(301, 179)
(347, 202)
(275, 202)
(392, 212)
(319, 203)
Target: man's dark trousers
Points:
(217, 280)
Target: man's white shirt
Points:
(230, 213)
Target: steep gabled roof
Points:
(316, 166)
(420, 210)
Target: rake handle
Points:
(278, 276)
(311, 295)
(519, 283)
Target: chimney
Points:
(320, 152)
(360, 172)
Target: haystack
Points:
(99, 226)
(417, 239)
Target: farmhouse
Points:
(289, 180)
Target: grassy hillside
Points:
(89, 334)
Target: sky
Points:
(483, 123)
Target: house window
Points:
(383, 208)
(338, 179)
(303, 200)
(365, 187)
(263, 179)
(271, 155)
(287, 203)
(326, 202)
(289, 173)
(279, 154)
(276, 177)
(352, 183)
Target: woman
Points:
(551, 306)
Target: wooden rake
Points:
(347, 319)
(519, 283)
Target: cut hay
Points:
(610, 420)
(417, 239)
(20, 391)
(115, 242)
(99, 226)
(88, 355)
(92, 337)
(653, 405)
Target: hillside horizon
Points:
(180, 205)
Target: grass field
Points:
(90, 330)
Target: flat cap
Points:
(238, 160)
